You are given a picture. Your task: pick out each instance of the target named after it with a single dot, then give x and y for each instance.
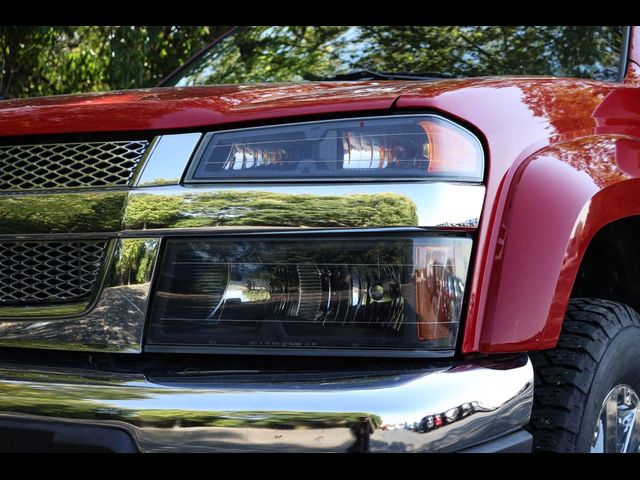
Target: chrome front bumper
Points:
(435, 409)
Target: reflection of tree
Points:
(267, 54)
(495, 50)
(593, 155)
(567, 105)
(78, 402)
(135, 261)
(255, 208)
(68, 402)
(256, 419)
(82, 212)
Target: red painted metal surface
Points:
(563, 161)
(189, 107)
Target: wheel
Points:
(586, 389)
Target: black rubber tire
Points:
(599, 348)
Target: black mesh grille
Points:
(49, 272)
(68, 165)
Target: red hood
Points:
(488, 103)
(194, 107)
(190, 107)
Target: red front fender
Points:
(556, 201)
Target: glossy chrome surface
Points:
(166, 159)
(116, 321)
(443, 409)
(618, 425)
(61, 214)
(360, 205)
(553, 178)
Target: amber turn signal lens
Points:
(451, 150)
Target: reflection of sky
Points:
(448, 205)
(352, 51)
(169, 157)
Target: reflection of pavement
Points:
(260, 439)
(264, 439)
(117, 320)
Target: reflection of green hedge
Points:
(76, 401)
(81, 212)
(254, 208)
(91, 212)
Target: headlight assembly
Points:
(353, 295)
(398, 147)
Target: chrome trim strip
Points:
(373, 205)
(259, 207)
(218, 411)
(167, 159)
(197, 157)
(115, 324)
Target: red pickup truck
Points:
(402, 239)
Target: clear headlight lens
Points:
(400, 147)
(347, 294)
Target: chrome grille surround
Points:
(154, 205)
(69, 165)
(34, 273)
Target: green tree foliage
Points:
(54, 60)
(259, 54)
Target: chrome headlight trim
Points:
(243, 208)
